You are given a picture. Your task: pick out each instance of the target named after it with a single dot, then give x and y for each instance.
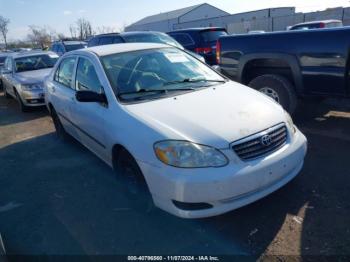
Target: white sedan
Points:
(175, 131)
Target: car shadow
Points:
(58, 198)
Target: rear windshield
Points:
(74, 47)
(2, 59)
(36, 62)
(212, 36)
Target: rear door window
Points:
(117, 40)
(106, 40)
(183, 38)
(93, 42)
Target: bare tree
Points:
(84, 28)
(40, 36)
(105, 29)
(73, 31)
(4, 23)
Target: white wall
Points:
(202, 12)
(161, 26)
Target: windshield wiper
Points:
(192, 80)
(154, 91)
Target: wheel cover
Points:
(271, 93)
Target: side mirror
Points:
(90, 96)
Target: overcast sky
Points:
(59, 14)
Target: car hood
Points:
(215, 116)
(32, 77)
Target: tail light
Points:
(203, 50)
(322, 25)
(218, 52)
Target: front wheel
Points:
(133, 182)
(22, 106)
(278, 88)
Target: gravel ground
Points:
(58, 198)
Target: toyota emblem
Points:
(266, 140)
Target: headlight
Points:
(290, 123)
(185, 154)
(31, 87)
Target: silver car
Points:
(23, 75)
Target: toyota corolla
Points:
(176, 131)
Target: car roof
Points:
(105, 50)
(199, 29)
(142, 33)
(30, 53)
(317, 22)
(73, 42)
(105, 34)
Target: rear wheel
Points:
(60, 131)
(22, 106)
(278, 88)
(134, 183)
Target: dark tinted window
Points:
(87, 78)
(2, 59)
(184, 39)
(212, 36)
(59, 48)
(117, 40)
(64, 73)
(74, 47)
(106, 40)
(93, 41)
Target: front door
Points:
(89, 117)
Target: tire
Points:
(278, 88)
(60, 131)
(1, 85)
(23, 107)
(133, 182)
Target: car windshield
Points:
(152, 38)
(72, 47)
(35, 62)
(2, 59)
(152, 73)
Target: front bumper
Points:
(33, 98)
(226, 188)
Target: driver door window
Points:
(86, 78)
